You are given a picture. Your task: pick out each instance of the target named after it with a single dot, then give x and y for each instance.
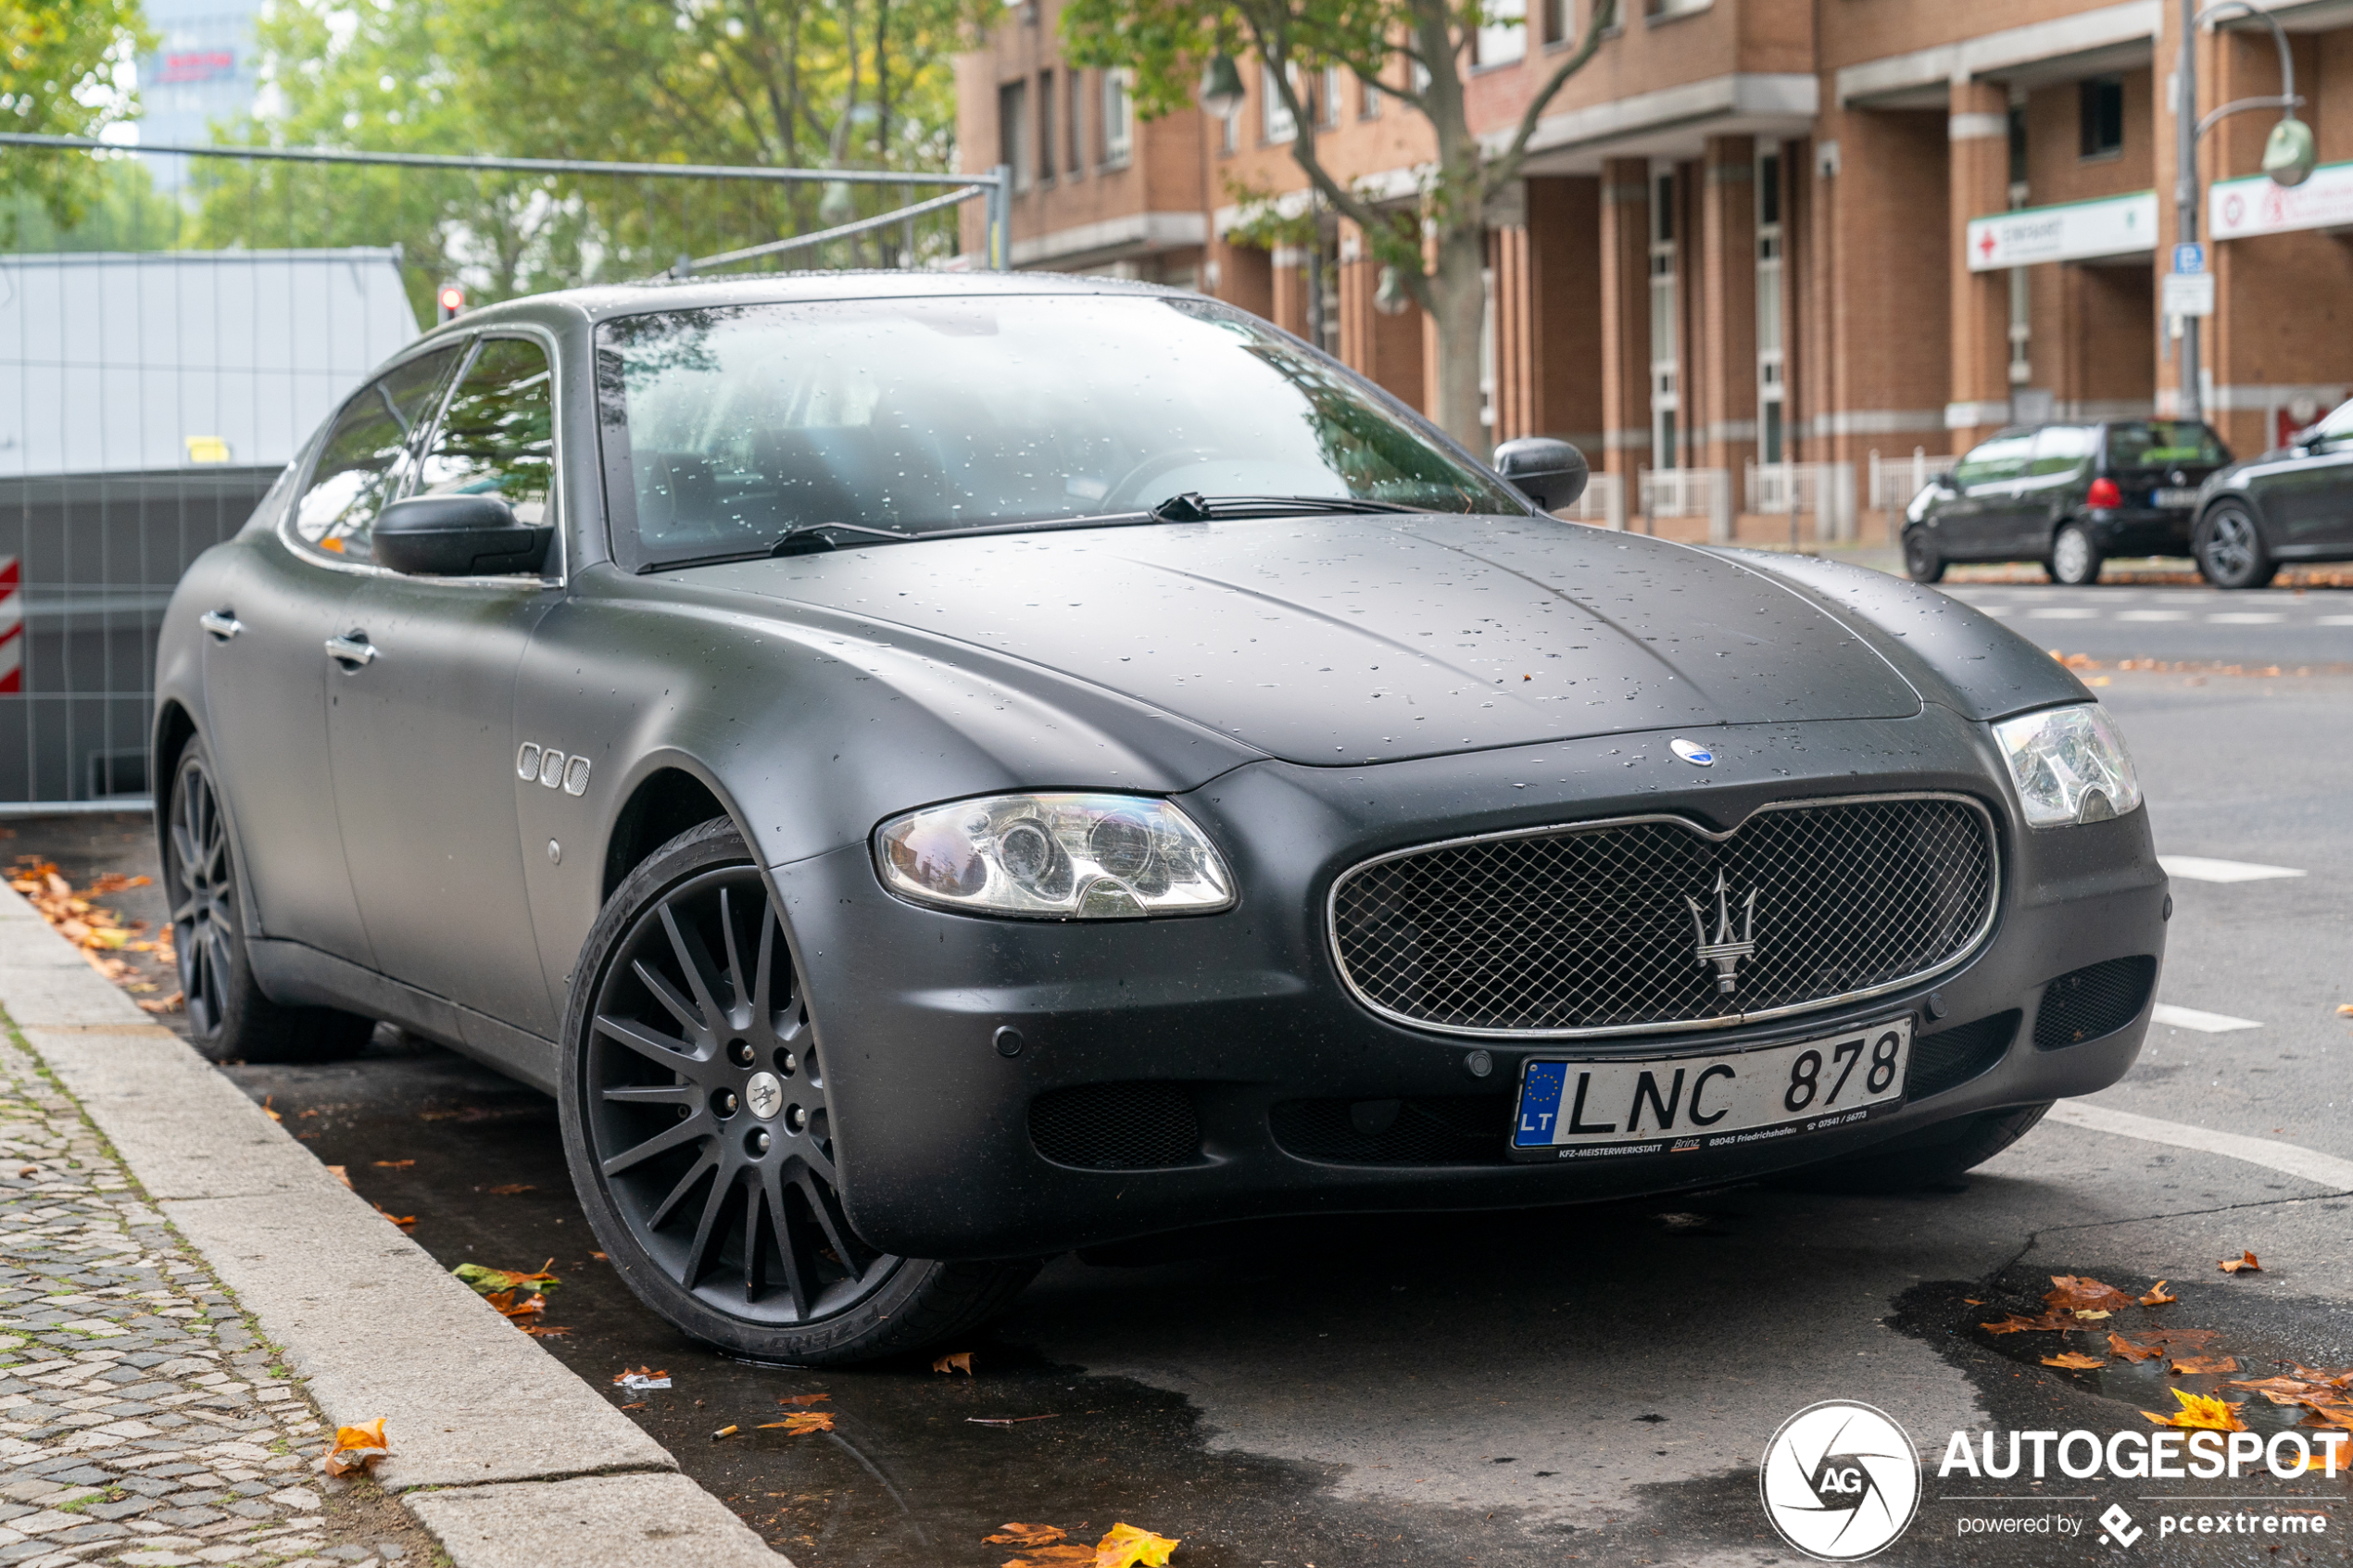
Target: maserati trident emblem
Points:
(1725, 952)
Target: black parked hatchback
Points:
(2292, 504)
(2068, 495)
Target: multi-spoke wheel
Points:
(698, 1124)
(228, 1019)
(2230, 550)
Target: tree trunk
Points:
(1458, 300)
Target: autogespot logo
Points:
(1840, 1481)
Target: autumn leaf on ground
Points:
(543, 1330)
(2131, 1351)
(2074, 1359)
(2049, 1322)
(490, 1281)
(1123, 1546)
(1026, 1535)
(341, 1175)
(2076, 1294)
(2203, 1411)
(2244, 1263)
(512, 1304)
(266, 1109)
(2201, 1366)
(355, 1447)
(2157, 1296)
(393, 1164)
(1064, 1556)
(801, 1422)
(960, 1362)
(509, 1189)
(802, 1398)
(406, 1222)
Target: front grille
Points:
(2088, 1003)
(1117, 1126)
(1590, 929)
(1952, 1056)
(1440, 1129)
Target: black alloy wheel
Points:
(697, 1125)
(2230, 549)
(2075, 560)
(229, 1018)
(1921, 562)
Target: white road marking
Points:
(2152, 615)
(2245, 618)
(2069, 613)
(2311, 1165)
(2334, 621)
(2204, 1023)
(2197, 868)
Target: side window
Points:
(359, 463)
(2063, 448)
(497, 435)
(2002, 457)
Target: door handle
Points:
(351, 651)
(222, 623)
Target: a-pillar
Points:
(1386, 348)
(1723, 425)
(1625, 330)
(1978, 134)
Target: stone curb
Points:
(372, 1325)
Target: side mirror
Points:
(1551, 473)
(1943, 478)
(456, 536)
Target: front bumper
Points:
(1244, 1009)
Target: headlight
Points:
(2070, 765)
(1069, 856)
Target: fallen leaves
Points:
(355, 1447)
(2084, 1293)
(2202, 1366)
(802, 1398)
(406, 1222)
(2158, 1298)
(1047, 1546)
(2244, 1263)
(2208, 1412)
(96, 931)
(2133, 1352)
(393, 1164)
(515, 1304)
(1126, 1546)
(1024, 1534)
(341, 1175)
(637, 1382)
(960, 1362)
(2049, 1322)
(2076, 1360)
(2327, 1395)
(509, 1189)
(801, 1422)
(488, 1282)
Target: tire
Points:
(689, 1017)
(1934, 1156)
(1921, 562)
(228, 1019)
(2075, 560)
(2230, 550)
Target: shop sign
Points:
(2075, 232)
(2237, 209)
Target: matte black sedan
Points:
(935, 772)
(2288, 506)
(2068, 496)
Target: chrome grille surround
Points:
(1925, 866)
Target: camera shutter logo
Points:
(1840, 1481)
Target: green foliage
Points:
(116, 208)
(61, 65)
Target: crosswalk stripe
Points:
(2204, 1023)
(2197, 868)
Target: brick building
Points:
(1822, 233)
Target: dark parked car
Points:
(933, 771)
(2292, 504)
(2068, 495)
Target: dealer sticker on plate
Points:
(1679, 1105)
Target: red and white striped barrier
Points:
(11, 626)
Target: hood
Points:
(1356, 639)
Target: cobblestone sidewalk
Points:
(141, 1419)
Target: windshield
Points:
(2145, 444)
(726, 428)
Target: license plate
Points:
(1680, 1105)
(2172, 497)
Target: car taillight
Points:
(2106, 493)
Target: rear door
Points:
(1978, 524)
(422, 733)
(2047, 491)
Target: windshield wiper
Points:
(1194, 506)
(807, 539)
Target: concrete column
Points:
(1386, 348)
(1978, 134)
(1723, 425)
(1291, 289)
(1244, 278)
(1625, 311)
(1516, 407)
(1564, 310)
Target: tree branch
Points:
(1507, 165)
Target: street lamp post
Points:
(2288, 154)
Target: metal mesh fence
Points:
(172, 335)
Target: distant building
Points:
(204, 71)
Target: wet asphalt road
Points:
(1590, 1384)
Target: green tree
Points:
(1439, 250)
(64, 71)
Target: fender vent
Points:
(1448, 1130)
(2093, 1001)
(1117, 1126)
(1952, 1056)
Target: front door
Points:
(2047, 492)
(422, 724)
(2309, 499)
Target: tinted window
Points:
(725, 428)
(2063, 448)
(497, 437)
(2004, 457)
(360, 460)
(2141, 443)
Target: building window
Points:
(1504, 38)
(1327, 103)
(1771, 380)
(1013, 130)
(1274, 119)
(2017, 125)
(1666, 400)
(1367, 100)
(2101, 102)
(1230, 133)
(1560, 21)
(1119, 120)
(1667, 10)
(1046, 146)
(1077, 163)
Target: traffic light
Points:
(451, 300)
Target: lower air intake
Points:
(1117, 1126)
(1441, 1130)
(2093, 1001)
(1952, 1056)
